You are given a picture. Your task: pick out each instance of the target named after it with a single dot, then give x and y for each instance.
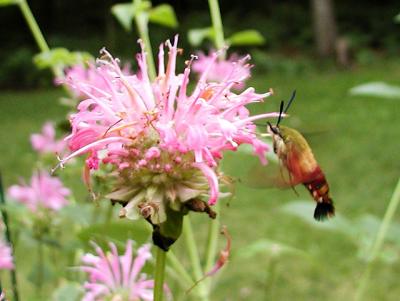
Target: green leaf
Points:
(8, 2)
(164, 15)
(396, 18)
(305, 211)
(246, 37)
(60, 57)
(124, 13)
(68, 291)
(78, 213)
(369, 226)
(41, 274)
(267, 247)
(120, 231)
(376, 89)
(197, 35)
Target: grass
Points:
(356, 143)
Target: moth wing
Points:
(273, 175)
(300, 162)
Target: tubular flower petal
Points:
(235, 68)
(165, 143)
(83, 79)
(44, 191)
(117, 277)
(46, 142)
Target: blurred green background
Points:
(355, 138)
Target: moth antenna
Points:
(272, 128)
(280, 113)
(290, 101)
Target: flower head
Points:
(44, 191)
(164, 142)
(234, 68)
(114, 277)
(46, 142)
(6, 259)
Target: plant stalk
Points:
(184, 277)
(194, 257)
(33, 26)
(13, 272)
(212, 243)
(380, 237)
(216, 20)
(142, 24)
(36, 32)
(40, 272)
(159, 274)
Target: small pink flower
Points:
(164, 142)
(234, 68)
(6, 259)
(115, 277)
(44, 191)
(46, 142)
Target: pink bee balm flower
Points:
(80, 78)
(234, 68)
(6, 259)
(164, 142)
(46, 142)
(44, 191)
(114, 277)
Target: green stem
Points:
(217, 24)
(40, 274)
(36, 32)
(380, 237)
(270, 277)
(194, 257)
(184, 277)
(109, 213)
(212, 243)
(159, 275)
(34, 27)
(142, 24)
(4, 214)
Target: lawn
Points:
(356, 141)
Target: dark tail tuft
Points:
(324, 210)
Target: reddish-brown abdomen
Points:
(319, 189)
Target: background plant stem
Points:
(159, 274)
(380, 237)
(194, 257)
(214, 226)
(142, 24)
(40, 267)
(4, 214)
(215, 12)
(36, 32)
(33, 26)
(212, 243)
(184, 277)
